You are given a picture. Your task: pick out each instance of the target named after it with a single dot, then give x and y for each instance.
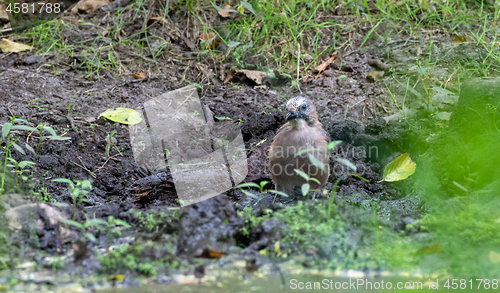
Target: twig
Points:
(105, 162)
(10, 111)
(85, 167)
(91, 173)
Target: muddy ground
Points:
(352, 109)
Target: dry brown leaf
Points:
(225, 13)
(89, 6)
(188, 43)
(3, 12)
(139, 75)
(8, 46)
(459, 39)
(327, 62)
(208, 253)
(155, 19)
(211, 40)
(229, 75)
(254, 75)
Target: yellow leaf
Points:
(277, 248)
(459, 40)
(10, 46)
(399, 169)
(122, 115)
(116, 277)
(494, 257)
(241, 9)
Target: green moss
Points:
(347, 240)
(138, 258)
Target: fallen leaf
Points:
(122, 115)
(229, 75)
(277, 248)
(459, 39)
(115, 278)
(401, 168)
(104, 33)
(429, 249)
(419, 51)
(327, 62)
(188, 43)
(8, 46)
(89, 6)
(254, 75)
(375, 75)
(139, 75)
(494, 257)
(3, 12)
(226, 11)
(210, 40)
(155, 19)
(208, 253)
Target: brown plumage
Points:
(302, 131)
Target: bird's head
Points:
(301, 112)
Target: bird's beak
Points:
(291, 116)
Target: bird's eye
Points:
(303, 107)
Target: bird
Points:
(288, 152)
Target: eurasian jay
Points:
(301, 137)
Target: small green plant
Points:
(112, 229)
(8, 142)
(261, 188)
(78, 189)
(108, 144)
(85, 228)
(151, 222)
(251, 220)
(57, 264)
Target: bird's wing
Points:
(283, 128)
(319, 126)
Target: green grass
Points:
(288, 36)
